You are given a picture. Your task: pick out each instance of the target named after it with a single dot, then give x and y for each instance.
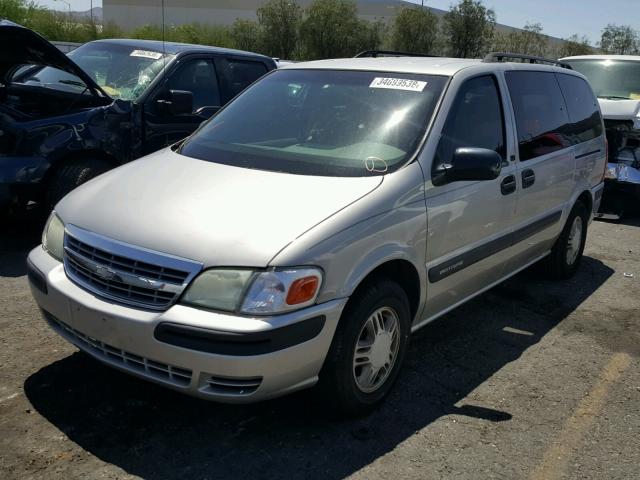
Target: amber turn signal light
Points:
(302, 290)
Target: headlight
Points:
(53, 237)
(255, 292)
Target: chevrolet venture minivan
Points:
(334, 207)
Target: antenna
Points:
(164, 53)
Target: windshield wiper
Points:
(72, 82)
(613, 97)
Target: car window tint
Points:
(541, 116)
(239, 74)
(199, 78)
(584, 111)
(475, 120)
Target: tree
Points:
(415, 30)
(369, 35)
(280, 23)
(469, 27)
(247, 35)
(619, 39)
(575, 45)
(528, 41)
(331, 29)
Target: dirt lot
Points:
(534, 379)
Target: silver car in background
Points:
(307, 229)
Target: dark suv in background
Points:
(65, 119)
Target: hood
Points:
(215, 214)
(28, 47)
(621, 110)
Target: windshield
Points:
(122, 71)
(322, 122)
(616, 79)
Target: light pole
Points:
(68, 5)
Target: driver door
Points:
(196, 75)
(469, 222)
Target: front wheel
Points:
(71, 175)
(566, 254)
(368, 347)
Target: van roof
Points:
(633, 58)
(420, 65)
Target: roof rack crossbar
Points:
(505, 56)
(390, 53)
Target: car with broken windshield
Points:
(616, 81)
(67, 118)
(303, 233)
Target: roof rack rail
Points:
(494, 57)
(389, 53)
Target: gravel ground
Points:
(534, 379)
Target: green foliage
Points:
(575, 45)
(469, 28)
(415, 30)
(279, 22)
(528, 41)
(331, 29)
(246, 35)
(619, 40)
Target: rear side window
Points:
(584, 112)
(541, 116)
(475, 120)
(239, 74)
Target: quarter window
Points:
(475, 120)
(584, 111)
(541, 116)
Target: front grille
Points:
(161, 371)
(125, 273)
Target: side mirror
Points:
(469, 164)
(179, 102)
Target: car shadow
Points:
(18, 235)
(158, 434)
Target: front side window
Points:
(584, 110)
(612, 79)
(475, 120)
(198, 76)
(322, 122)
(541, 116)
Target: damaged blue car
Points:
(65, 119)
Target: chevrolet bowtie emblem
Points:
(105, 272)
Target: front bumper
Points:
(621, 173)
(20, 178)
(127, 339)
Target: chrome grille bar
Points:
(123, 272)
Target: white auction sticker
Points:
(146, 54)
(398, 84)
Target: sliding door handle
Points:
(528, 178)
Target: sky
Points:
(559, 18)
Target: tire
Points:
(70, 175)
(342, 383)
(566, 254)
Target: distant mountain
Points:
(97, 14)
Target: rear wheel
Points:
(368, 347)
(566, 254)
(71, 175)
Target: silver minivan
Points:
(334, 207)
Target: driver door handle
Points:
(528, 178)
(508, 185)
